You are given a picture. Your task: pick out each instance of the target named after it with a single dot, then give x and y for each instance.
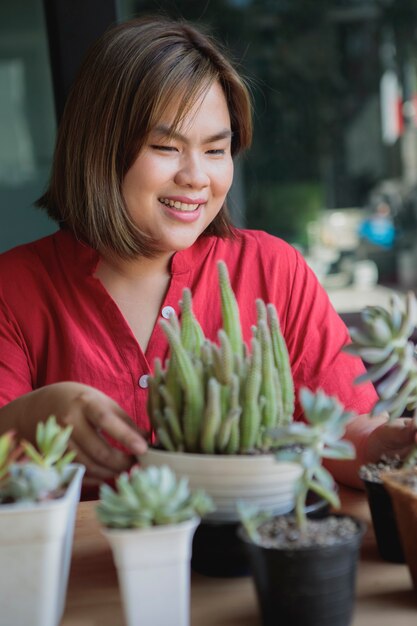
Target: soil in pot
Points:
(218, 552)
(382, 512)
(308, 579)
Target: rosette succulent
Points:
(383, 342)
(221, 397)
(29, 473)
(150, 497)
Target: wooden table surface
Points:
(384, 592)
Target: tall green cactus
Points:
(221, 397)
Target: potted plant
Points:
(211, 406)
(149, 520)
(39, 492)
(384, 343)
(402, 487)
(304, 569)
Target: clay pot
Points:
(402, 487)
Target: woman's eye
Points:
(163, 148)
(216, 151)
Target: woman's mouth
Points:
(178, 205)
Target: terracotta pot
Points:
(404, 499)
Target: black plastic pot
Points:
(384, 522)
(306, 587)
(218, 552)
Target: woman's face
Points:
(177, 185)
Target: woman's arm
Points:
(91, 413)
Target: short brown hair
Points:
(128, 78)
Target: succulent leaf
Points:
(392, 354)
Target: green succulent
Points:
(150, 497)
(43, 474)
(9, 452)
(307, 444)
(220, 397)
(383, 342)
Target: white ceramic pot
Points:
(258, 479)
(153, 568)
(35, 555)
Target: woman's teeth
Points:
(180, 206)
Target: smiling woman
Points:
(178, 183)
(142, 167)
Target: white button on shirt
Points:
(143, 381)
(167, 311)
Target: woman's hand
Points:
(372, 437)
(395, 438)
(94, 417)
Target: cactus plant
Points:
(150, 497)
(319, 438)
(221, 398)
(40, 475)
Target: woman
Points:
(143, 164)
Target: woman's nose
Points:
(192, 173)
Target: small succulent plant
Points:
(29, 473)
(383, 342)
(221, 398)
(150, 497)
(307, 444)
(9, 452)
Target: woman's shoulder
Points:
(27, 256)
(248, 244)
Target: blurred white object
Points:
(365, 274)
(407, 268)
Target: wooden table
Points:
(384, 591)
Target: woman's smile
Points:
(188, 171)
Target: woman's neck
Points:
(132, 270)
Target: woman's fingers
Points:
(108, 416)
(94, 416)
(395, 438)
(96, 473)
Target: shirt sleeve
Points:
(15, 376)
(315, 336)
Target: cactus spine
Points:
(219, 397)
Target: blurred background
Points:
(333, 167)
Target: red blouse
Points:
(58, 323)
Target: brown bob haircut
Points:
(128, 78)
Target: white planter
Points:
(153, 568)
(35, 556)
(258, 479)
